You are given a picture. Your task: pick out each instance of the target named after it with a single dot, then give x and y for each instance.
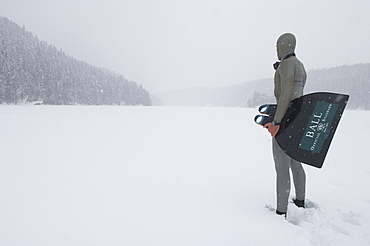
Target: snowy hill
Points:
(35, 71)
(169, 176)
(349, 79)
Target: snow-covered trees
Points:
(349, 79)
(32, 70)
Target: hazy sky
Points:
(172, 44)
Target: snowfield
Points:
(110, 175)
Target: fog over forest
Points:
(33, 71)
(347, 79)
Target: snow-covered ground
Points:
(76, 175)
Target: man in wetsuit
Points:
(289, 81)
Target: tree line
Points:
(35, 71)
(353, 80)
(347, 79)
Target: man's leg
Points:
(282, 163)
(299, 179)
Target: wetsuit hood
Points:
(285, 45)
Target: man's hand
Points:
(273, 129)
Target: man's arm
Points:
(286, 71)
(286, 77)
